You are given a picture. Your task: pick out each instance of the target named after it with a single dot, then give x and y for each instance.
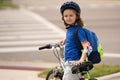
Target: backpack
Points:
(97, 51)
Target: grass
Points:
(98, 70)
(7, 4)
(102, 70)
(44, 73)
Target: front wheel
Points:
(54, 75)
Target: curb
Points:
(29, 66)
(110, 77)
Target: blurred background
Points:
(25, 25)
(21, 36)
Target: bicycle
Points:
(57, 72)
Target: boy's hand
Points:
(79, 62)
(62, 42)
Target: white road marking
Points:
(28, 45)
(44, 21)
(37, 7)
(17, 49)
(94, 5)
(111, 55)
(32, 36)
(26, 42)
(26, 49)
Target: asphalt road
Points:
(101, 17)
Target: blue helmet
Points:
(70, 5)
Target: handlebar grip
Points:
(48, 46)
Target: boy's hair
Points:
(78, 20)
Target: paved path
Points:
(23, 70)
(18, 75)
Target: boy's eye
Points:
(65, 16)
(68, 15)
(71, 15)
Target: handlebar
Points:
(49, 46)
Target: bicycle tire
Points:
(51, 76)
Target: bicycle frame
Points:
(59, 55)
(58, 51)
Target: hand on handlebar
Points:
(62, 42)
(79, 62)
(85, 66)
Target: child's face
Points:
(69, 16)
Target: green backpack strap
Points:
(100, 50)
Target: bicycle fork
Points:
(81, 76)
